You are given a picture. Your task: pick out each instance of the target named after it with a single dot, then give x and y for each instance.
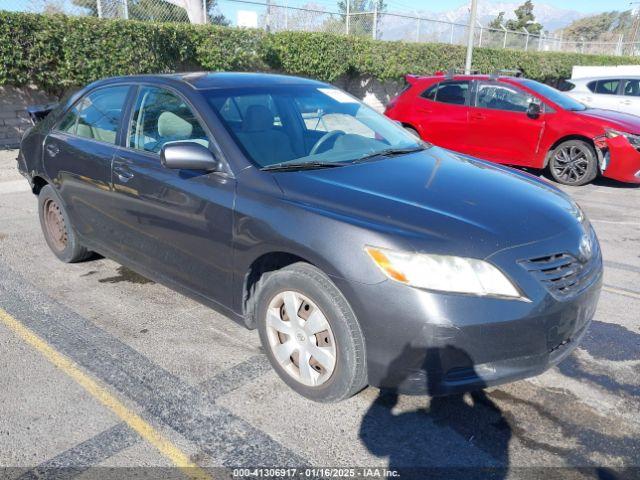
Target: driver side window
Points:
(160, 117)
(503, 97)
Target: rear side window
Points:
(70, 120)
(456, 93)
(100, 114)
(604, 87)
(162, 117)
(632, 88)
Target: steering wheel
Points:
(324, 139)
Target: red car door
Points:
(499, 128)
(440, 113)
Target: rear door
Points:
(77, 158)
(499, 128)
(441, 112)
(176, 223)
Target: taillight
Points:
(392, 103)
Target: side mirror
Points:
(188, 156)
(534, 110)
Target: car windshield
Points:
(556, 96)
(307, 126)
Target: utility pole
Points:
(268, 19)
(636, 26)
(375, 21)
(348, 11)
(472, 23)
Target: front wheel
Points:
(310, 334)
(573, 162)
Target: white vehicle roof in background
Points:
(582, 71)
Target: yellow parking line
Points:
(618, 291)
(144, 429)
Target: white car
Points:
(610, 93)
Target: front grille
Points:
(562, 274)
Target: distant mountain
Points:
(552, 18)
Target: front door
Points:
(176, 223)
(499, 127)
(629, 101)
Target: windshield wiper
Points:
(389, 152)
(285, 166)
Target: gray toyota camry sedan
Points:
(362, 255)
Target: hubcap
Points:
(571, 164)
(300, 338)
(54, 223)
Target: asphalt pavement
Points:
(105, 373)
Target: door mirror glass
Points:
(534, 110)
(188, 156)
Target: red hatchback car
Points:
(516, 121)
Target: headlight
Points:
(444, 273)
(634, 140)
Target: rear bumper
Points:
(623, 161)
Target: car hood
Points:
(610, 118)
(436, 201)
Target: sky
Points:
(586, 6)
(230, 8)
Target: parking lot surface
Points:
(101, 367)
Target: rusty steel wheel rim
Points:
(300, 338)
(55, 225)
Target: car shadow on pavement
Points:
(455, 436)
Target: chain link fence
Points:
(282, 15)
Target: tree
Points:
(525, 19)
(603, 27)
(362, 22)
(497, 22)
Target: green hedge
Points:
(56, 52)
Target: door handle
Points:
(123, 172)
(52, 149)
(477, 116)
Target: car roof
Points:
(213, 80)
(604, 77)
(444, 77)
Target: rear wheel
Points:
(310, 334)
(573, 162)
(57, 229)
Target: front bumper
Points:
(622, 159)
(437, 343)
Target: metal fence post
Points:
(99, 8)
(481, 32)
(204, 11)
(504, 42)
(526, 43)
(451, 38)
(540, 36)
(348, 12)
(418, 31)
(125, 9)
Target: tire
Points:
(573, 162)
(57, 229)
(340, 338)
(412, 131)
